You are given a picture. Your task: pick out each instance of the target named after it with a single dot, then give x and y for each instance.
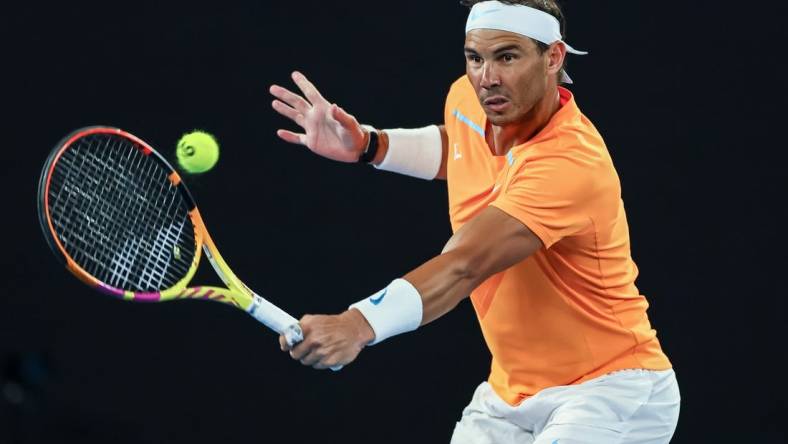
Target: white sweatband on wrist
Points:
(414, 152)
(395, 309)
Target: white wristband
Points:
(395, 309)
(414, 152)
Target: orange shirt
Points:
(571, 311)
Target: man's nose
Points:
(490, 78)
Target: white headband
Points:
(519, 19)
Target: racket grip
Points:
(293, 335)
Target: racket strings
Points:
(118, 215)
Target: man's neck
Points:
(502, 138)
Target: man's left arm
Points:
(490, 243)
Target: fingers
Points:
(325, 344)
(283, 345)
(312, 358)
(291, 137)
(293, 100)
(327, 363)
(312, 352)
(306, 352)
(316, 358)
(285, 110)
(310, 92)
(303, 348)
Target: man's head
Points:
(549, 6)
(510, 71)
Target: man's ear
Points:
(556, 54)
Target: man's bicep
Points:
(493, 241)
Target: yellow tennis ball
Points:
(197, 152)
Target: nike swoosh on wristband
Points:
(377, 300)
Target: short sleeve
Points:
(552, 196)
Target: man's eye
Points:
(508, 57)
(474, 59)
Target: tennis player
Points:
(541, 244)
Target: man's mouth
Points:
(496, 103)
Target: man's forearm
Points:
(443, 282)
(488, 244)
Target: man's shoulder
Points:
(461, 89)
(461, 82)
(462, 101)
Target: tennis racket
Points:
(122, 221)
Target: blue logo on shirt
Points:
(379, 299)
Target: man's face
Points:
(508, 73)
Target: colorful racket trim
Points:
(122, 221)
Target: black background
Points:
(687, 95)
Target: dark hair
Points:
(549, 6)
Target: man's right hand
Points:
(328, 130)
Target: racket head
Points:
(117, 214)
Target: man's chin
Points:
(499, 119)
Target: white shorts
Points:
(623, 407)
